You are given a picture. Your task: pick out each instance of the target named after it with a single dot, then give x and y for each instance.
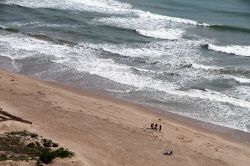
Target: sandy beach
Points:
(105, 131)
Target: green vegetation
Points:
(47, 155)
(24, 145)
(49, 143)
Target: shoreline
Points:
(223, 131)
(92, 123)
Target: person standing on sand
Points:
(152, 125)
(160, 128)
(156, 126)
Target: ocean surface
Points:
(190, 57)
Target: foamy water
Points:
(231, 49)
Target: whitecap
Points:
(170, 34)
(151, 16)
(38, 24)
(231, 49)
(240, 79)
(128, 51)
(2, 27)
(206, 67)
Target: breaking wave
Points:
(170, 34)
(231, 49)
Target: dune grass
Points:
(23, 145)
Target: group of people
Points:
(155, 127)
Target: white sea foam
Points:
(146, 26)
(2, 27)
(240, 79)
(18, 46)
(206, 67)
(231, 49)
(242, 91)
(212, 96)
(38, 24)
(144, 70)
(119, 91)
(171, 52)
(170, 34)
(19, 24)
(129, 51)
(100, 6)
(151, 16)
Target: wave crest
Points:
(101, 6)
(230, 28)
(231, 49)
(170, 34)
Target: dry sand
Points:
(105, 131)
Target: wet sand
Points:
(102, 130)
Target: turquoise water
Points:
(188, 57)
